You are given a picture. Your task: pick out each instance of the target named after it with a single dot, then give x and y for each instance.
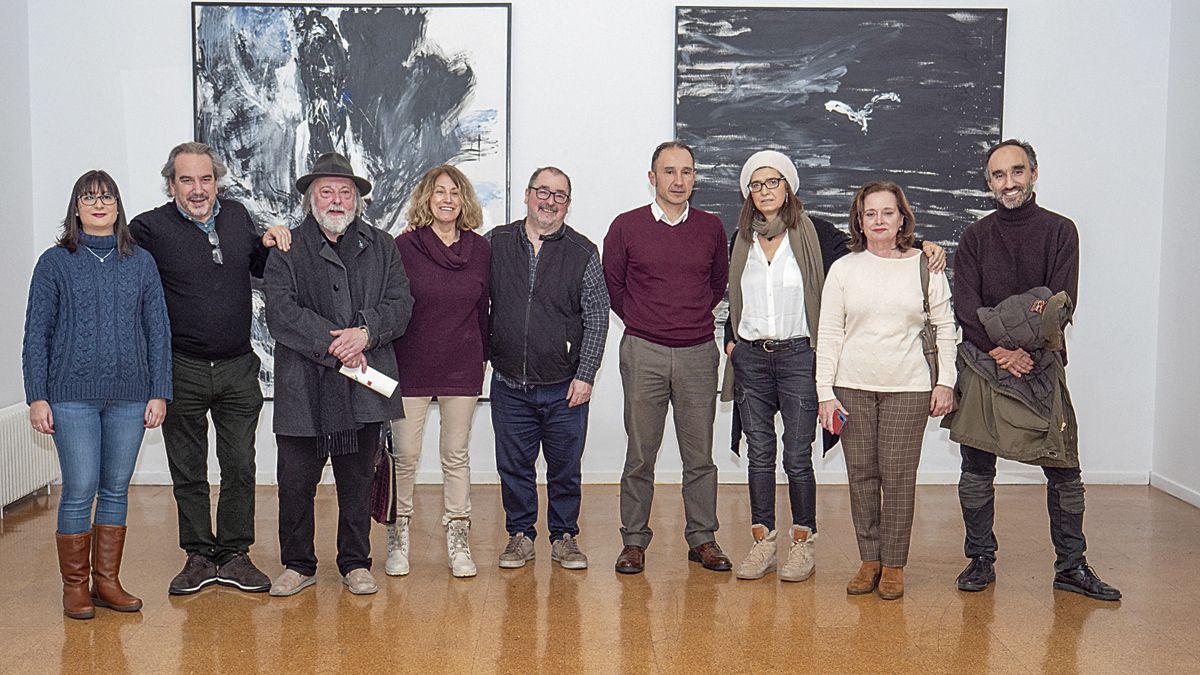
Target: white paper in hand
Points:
(372, 379)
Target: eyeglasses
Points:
(90, 199)
(770, 184)
(547, 193)
(216, 244)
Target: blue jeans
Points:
(766, 383)
(98, 444)
(523, 421)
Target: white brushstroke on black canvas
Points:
(799, 81)
(397, 89)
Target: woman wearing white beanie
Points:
(779, 257)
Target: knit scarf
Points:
(452, 257)
(337, 432)
(807, 252)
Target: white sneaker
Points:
(762, 557)
(800, 564)
(397, 548)
(458, 548)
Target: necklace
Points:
(98, 256)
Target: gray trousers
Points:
(653, 376)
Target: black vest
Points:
(535, 335)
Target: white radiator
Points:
(28, 460)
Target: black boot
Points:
(977, 576)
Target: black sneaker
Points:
(240, 573)
(1083, 580)
(197, 573)
(977, 576)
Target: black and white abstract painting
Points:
(398, 89)
(851, 95)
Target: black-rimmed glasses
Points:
(770, 184)
(547, 193)
(216, 244)
(91, 199)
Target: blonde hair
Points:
(419, 213)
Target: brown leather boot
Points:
(891, 583)
(865, 581)
(73, 564)
(108, 543)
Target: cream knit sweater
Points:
(871, 315)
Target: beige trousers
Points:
(457, 413)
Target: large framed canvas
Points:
(398, 89)
(851, 95)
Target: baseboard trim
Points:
(1013, 476)
(1175, 489)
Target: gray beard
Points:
(333, 224)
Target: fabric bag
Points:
(383, 485)
(928, 330)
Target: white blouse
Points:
(772, 295)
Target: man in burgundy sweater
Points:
(666, 266)
(1017, 247)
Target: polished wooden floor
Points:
(676, 617)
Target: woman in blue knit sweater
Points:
(97, 365)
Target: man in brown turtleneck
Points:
(1017, 247)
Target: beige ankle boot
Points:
(762, 557)
(800, 564)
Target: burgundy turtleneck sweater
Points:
(1010, 251)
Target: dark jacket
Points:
(310, 291)
(1027, 419)
(535, 335)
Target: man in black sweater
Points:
(1018, 247)
(206, 250)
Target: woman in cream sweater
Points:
(871, 368)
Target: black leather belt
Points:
(780, 345)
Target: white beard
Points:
(333, 223)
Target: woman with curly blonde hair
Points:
(441, 354)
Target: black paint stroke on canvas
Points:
(278, 85)
(851, 95)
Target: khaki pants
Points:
(457, 413)
(652, 377)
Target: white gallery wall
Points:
(1175, 460)
(109, 85)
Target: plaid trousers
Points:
(882, 442)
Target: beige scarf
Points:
(806, 249)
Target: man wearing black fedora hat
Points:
(339, 297)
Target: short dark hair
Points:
(1018, 143)
(552, 169)
(904, 236)
(666, 145)
(96, 181)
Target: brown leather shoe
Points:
(108, 543)
(891, 584)
(866, 580)
(711, 556)
(632, 560)
(73, 563)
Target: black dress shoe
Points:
(1084, 581)
(977, 576)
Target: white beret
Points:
(774, 159)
